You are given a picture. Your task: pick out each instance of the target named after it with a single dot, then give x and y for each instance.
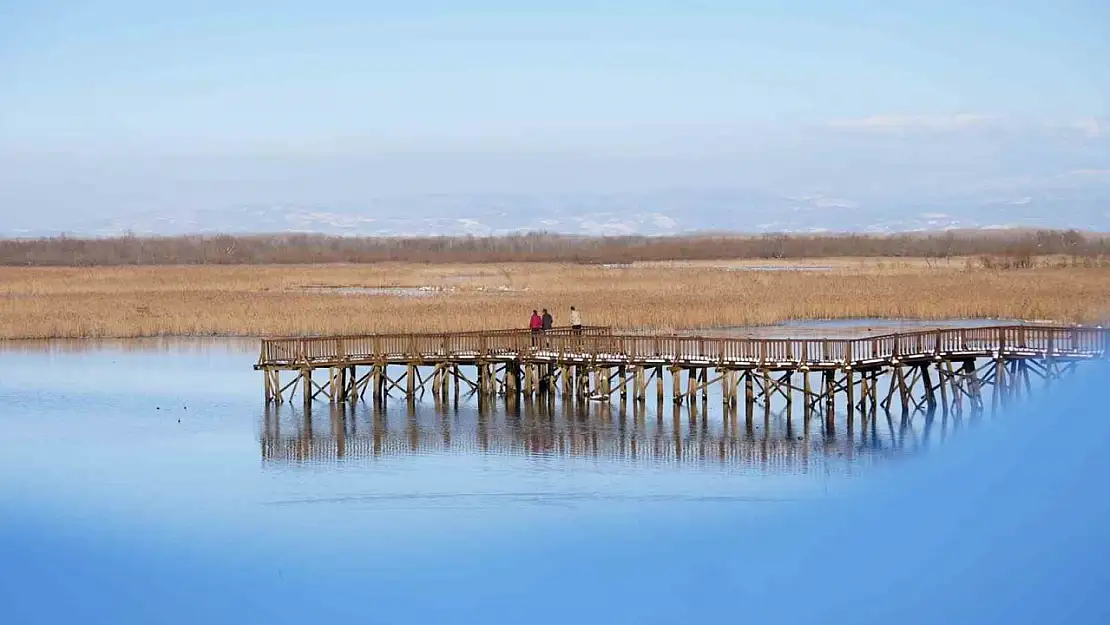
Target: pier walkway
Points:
(950, 368)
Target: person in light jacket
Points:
(575, 320)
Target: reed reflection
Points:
(620, 432)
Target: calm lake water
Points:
(167, 428)
(155, 449)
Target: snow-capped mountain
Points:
(660, 213)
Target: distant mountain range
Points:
(659, 213)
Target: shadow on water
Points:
(627, 432)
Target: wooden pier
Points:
(953, 370)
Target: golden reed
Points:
(258, 300)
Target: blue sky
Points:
(434, 96)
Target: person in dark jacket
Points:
(548, 321)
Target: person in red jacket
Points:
(536, 324)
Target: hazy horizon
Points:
(115, 109)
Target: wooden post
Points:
(705, 386)
(788, 380)
(974, 386)
(930, 391)
(692, 386)
(807, 392)
(659, 383)
(306, 379)
(1025, 376)
(726, 388)
(864, 381)
(903, 392)
(999, 384)
(676, 384)
(850, 387)
(377, 380)
(410, 381)
(445, 382)
(620, 380)
(766, 400)
(749, 399)
(457, 375)
(943, 387)
(268, 382)
(333, 384)
(875, 397)
(830, 399)
(342, 389)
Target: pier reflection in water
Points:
(633, 433)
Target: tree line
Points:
(289, 249)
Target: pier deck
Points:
(920, 370)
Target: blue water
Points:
(150, 484)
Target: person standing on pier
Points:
(536, 324)
(575, 320)
(548, 323)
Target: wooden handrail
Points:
(596, 341)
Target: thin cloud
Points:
(1087, 174)
(902, 123)
(1090, 127)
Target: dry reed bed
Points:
(269, 300)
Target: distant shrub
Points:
(1013, 249)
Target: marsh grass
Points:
(273, 300)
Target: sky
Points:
(117, 105)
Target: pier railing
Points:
(603, 343)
